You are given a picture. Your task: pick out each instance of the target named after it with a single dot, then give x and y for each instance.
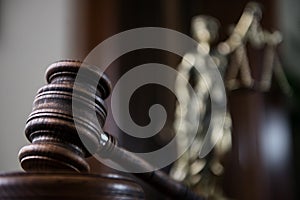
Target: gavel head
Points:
(56, 145)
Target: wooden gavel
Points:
(56, 145)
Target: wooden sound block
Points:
(75, 186)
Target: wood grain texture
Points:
(75, 186)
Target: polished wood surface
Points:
(75, 186)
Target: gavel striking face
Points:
(50, 127)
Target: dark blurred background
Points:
(264, 160)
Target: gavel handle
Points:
(157, 179)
